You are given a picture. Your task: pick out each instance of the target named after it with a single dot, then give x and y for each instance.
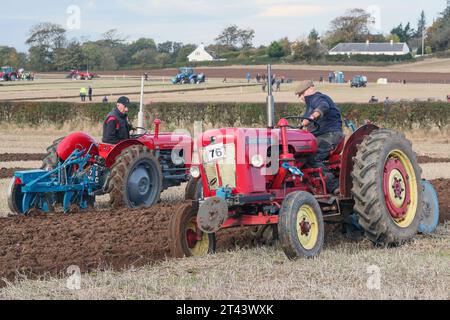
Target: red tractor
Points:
(9, 74)
(77, 168)
(258, 177)
(81, 75)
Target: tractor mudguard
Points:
(350, 150)
(110, 155)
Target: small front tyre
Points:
(301, 226)
(185, 237)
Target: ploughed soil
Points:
(442, 187)
(47, 244)
(427, 159)
(239, 73)
(5, 157)
(6, 173)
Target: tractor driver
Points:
(116, 126)
(321, 108)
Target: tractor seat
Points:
(335, 155)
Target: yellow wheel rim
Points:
(307, 227)
(408, 187)
(201, 247)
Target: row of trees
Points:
(50, 50)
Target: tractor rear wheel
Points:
(386, 188)
(136, 179)
(300, 226)
(185, 237)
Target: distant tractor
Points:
(9, 74)
(81, 75)
(187, 75)
(358, 82)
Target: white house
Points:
(371, 48)
(200, 54)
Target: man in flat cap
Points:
(323, 110)
(116, 126)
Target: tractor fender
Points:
(76, 140)
(118, 148)
(349, 151)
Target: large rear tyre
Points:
(185, 237)
(136, 179)
(386, 188)
(300, 226)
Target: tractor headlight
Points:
(195, 172)
(257, 161)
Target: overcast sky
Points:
(196, 21)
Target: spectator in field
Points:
(263, 85)
(330, 77)
(258, 78)
(105, 99)
(321, 79)
(278, 83)
(248, 77)
(90, 93)
(146, 76)
(448, 98)
(83, 94)
(224, 80)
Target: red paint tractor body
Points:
(264, 178)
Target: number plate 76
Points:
(215, 152)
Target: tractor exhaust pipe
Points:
(270, 100)
(141, 123)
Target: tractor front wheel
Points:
(185, 237)
(136, 179)
(387, 188)
(300, 226)
(194, 189)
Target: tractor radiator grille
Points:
(226, 167)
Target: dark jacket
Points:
(116, 127)
(330, 116)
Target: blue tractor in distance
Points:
(187, 75)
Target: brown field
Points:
(214, 90)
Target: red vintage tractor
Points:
(259, 177)
(9, 74)
(77, 168)
(81, 75)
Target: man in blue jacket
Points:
(323, 110)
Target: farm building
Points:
(200, 54)
(370, 48)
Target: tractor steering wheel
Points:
(136, 135)
(314, 122)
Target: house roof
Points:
(369, 47)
